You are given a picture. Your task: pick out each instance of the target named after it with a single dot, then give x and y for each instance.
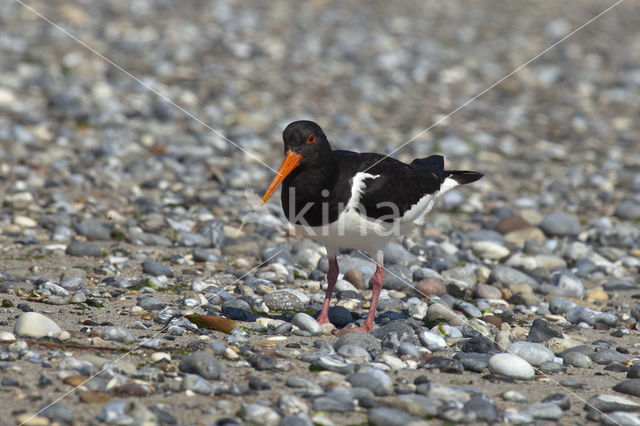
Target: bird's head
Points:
(304, 143)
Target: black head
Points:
(306, 138)
(305, 144)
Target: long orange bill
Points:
(291, 161)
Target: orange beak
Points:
(291, 161)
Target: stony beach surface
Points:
(129, 226)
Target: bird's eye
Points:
(311, 138)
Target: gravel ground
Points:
(128, 226)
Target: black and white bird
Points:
(344, 199)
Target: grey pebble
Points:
(283, 300)
(506, 276)
(384, 416)
(156, 269)
(202, 363)
(541, 331)
(560, 225)
(544, 411)
(306, 322)
(93, 230)
(263, 362)
(604, 356)
(196, 384)
(359, 338)
(375, 380)
(564, 283)
(577, 359)
(79, 248)
(150, 303)
(118, 334)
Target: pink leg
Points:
(332, 277)
(377, 280)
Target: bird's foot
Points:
(323, 319)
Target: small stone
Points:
(441, 311)
(359, 338)
(609, 403)
(283, 300)
(577, 359)
(618, 284)
(544, 411)
(156, 269)
(489, 250)
(629, 386)
(534, 353)
(560, 225)
(353, 353)
(356, 278)
(375, 380)
(513, 366)
(383, 416)
(431, 287)
(307, 323)
(263, 362)
(564, 283)
(514, 396)
(508, 276)
(203, 364)
(605, 356)
(541, 331)
(432, 341)
(33, 324)
(196, 384)
(258, 414)
(118, 334)
(93, 230)
(561, 400)
(596, 294)
(628, 210)
(485, 291)
(511, 223)
(79, 248)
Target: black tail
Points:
(464, 176)
(435, 164)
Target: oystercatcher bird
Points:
(344, 199)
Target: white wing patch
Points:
(357, 187)
(419, 210)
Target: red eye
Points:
(311, 138)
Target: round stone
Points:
(510, 365)
(33, 324)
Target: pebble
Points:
(577, 359)
(93, 230)
(283, 300)
(566, 284)
(307, 323)
(375, 380)
(118, 334)
(383, 416)
(156, 269)
(534, 353)
(629, 386)
(203, 364)
(513, 366)
(560, 225)
(79, 248)
(431, 287)
(609, 403)
(33, 324)
(260, 414)
(432, 341)
(358, 338)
